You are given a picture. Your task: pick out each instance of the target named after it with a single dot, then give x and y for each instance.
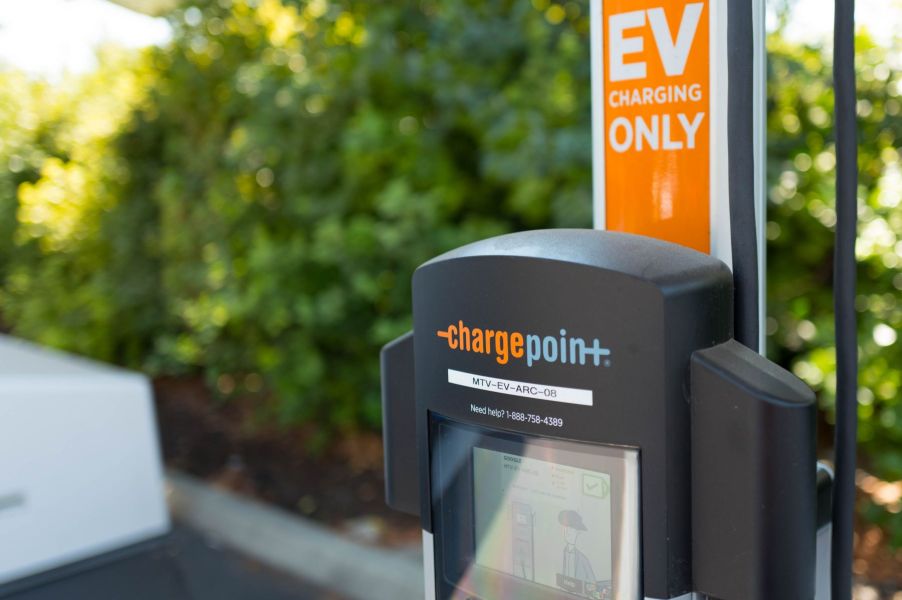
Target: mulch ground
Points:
(230, 446)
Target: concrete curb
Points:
(295, 545)
(307, 550)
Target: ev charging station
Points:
(585, 413)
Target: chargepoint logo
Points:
(514, 345)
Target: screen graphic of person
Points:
(576, 565)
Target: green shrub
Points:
(63, 265)
(801, 217)
(26, 132)
(289, 168)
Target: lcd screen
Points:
(545, 522)
(532, 518)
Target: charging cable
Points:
(844, 278)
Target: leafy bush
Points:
(251, 200)
(800, 261)
(285, 175)
(62, 266)
(26, 131)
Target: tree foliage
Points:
(801, 176)
(291, 164)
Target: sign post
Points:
(661, 118)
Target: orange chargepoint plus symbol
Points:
(504, 345)
(657, 119)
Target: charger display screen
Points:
(533, 518)
(544, 522)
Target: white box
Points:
(80, 469)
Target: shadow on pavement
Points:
(186, 565)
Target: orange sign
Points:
(657, 119)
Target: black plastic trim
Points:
(399, 426)
(754, 489)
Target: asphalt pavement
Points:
(185, 565)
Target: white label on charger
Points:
(551, 393)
